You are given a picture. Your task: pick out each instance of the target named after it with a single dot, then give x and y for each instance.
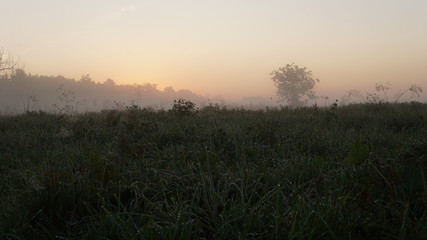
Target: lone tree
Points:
(293, 83)
(6, 62)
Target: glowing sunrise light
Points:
(221, 48)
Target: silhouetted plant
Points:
(376, 97)
(383, 88)
(414, 89)
(334, 105)
(182, 106)
(351, 97)
(211, 107)
(67, 98)
(7, 63)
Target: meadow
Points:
(350, 172)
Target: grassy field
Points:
(353, 172)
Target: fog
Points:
(21, 92)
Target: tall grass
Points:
(354, 172)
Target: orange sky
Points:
(222, 48)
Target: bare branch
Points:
(6, 62)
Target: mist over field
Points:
(225, 119)
(23, 92)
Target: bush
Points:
(183, 107)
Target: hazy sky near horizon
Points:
(222, 48)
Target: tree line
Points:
(21, 92)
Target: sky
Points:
(221, 48)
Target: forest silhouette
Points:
(21, 92)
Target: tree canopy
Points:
(293, 83)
